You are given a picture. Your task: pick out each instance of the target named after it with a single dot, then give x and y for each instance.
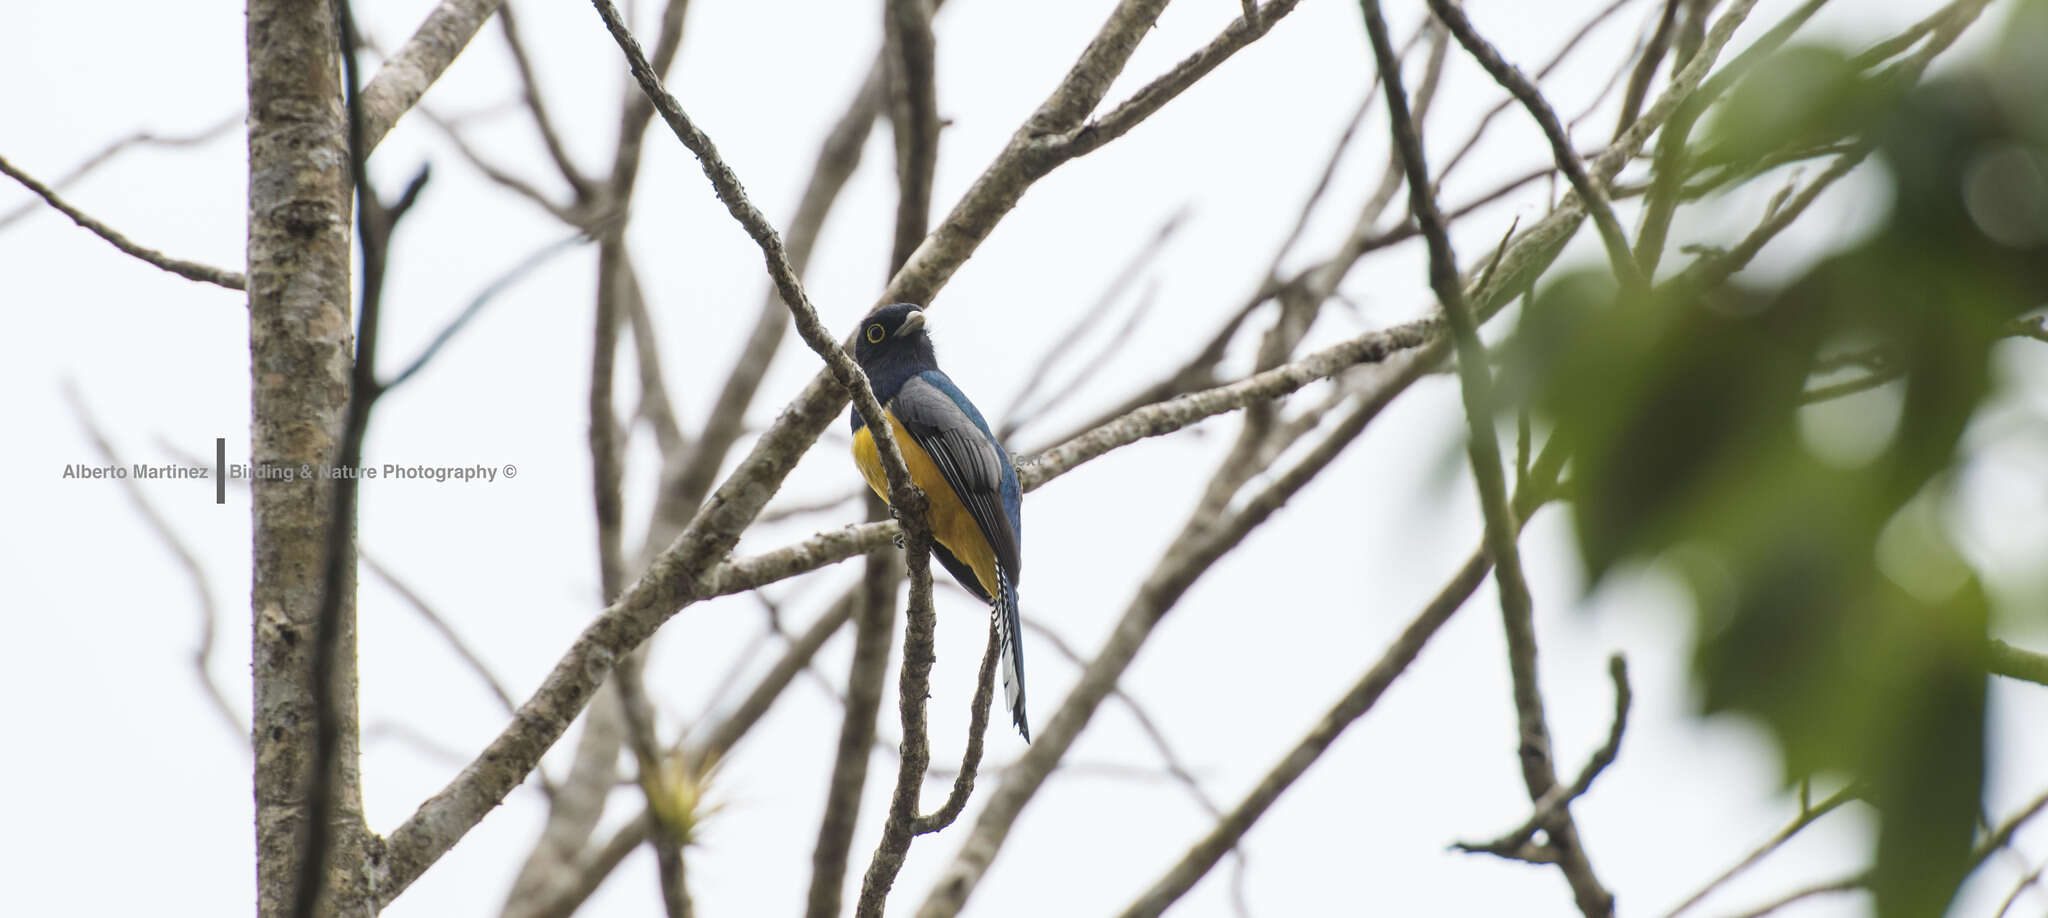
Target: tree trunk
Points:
(300, 343)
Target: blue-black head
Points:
(891, 346)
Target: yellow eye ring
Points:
(875, 334)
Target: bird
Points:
(967, 476)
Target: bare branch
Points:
(477, 303)
(405, 76)
(873, 632)
(1483, 447)
(2001, 836)
(654, 404)
(734, 196)
(1592, 196)
(970, 758)
(1394, 661)
(665, 834)
(536, 106)
(107, 154)
(839, 155)
(446, 631)
(1361, 698)
(588, 873)
(1807, 816)
(1055, 134)
(914, 114)
(1560, 797)
(1646, 66)
(913, 690)
(1166, 417)
(186, 269)
(2026, 882)
(1840, 885)
(582, 878)
(209, 608)
(1022, 410)
(1564, 51)
(1154, 95)
(797, 658)
(2014, 663)
(503, 178)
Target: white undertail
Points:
(1010, 648)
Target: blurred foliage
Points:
(1831, 607)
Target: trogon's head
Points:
(891, 346)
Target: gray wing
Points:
(965, 456)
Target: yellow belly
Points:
(952, 525)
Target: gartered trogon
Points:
(965, 474)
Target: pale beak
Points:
(912, 324)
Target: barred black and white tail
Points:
(1009, 627)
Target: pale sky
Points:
(128, 793)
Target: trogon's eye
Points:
(875, 334)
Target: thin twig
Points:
(1808, 816)
(190, 270)
(970, 758)
(1646, 66)
(112, 150)
(209, 608)
(2027, 881)
(1848, 883)
(536, 106)
(1023, 408)
(1555, 61)
(1592, 196)
(1560, 797)
(570, 214)
(483, 298)
(440, 625)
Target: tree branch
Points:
(1547, 809)
(970, 758)
(107, 154)
(405, 76)
(536, 106)
(189, 270)
(203, 598)
(1591, 195)
(2014, 663)
(1483, 447)
(908, 50)
(734, 196)
(873, 632)
(1395, 660)
(1807, 816)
